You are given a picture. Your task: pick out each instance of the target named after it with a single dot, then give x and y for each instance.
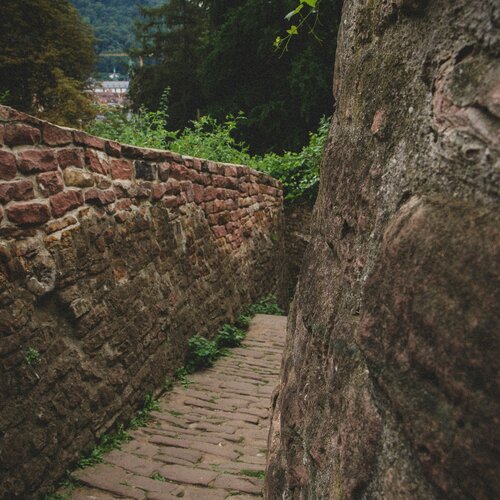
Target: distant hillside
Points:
(112, 21)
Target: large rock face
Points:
(111, 257)
(390, 383)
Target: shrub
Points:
(229, 336)
(201, 353)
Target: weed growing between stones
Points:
(259, 474)
(158, 477)
(266, 305)
(108, 442)
(202, 352)
(32, 356)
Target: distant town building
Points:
(111, 92)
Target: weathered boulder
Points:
(390, 379)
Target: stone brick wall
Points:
(111, 257)
(297, 231)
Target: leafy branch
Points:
(302, 12)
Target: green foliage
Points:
(170, 39)
(259, 474)
(229, 336)
(32, 356)
(218, 58)
(265, 305)
(181, 374)
(4, 96)
(158, 477)
(112, 21)
(243, 321)
(144, 128)
(299, 172)
(142, 417)
(201, 353)
(108, 442)
(303, 10)
(114, 440)
(208, 138)
(46, 55)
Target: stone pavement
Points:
(209, 440)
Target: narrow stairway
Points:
(209, 439)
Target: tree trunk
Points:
(390, 383)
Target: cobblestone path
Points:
(209, 439)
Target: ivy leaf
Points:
(294, 11)
(293, 30)
(311, 3)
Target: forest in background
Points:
(112, 21)
(218, 57)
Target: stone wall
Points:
(297, 230)
(111, 257)
(390, 382)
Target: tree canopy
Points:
(112, 21)
(46, 53)
(218, 58)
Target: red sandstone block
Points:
(121, 169)
(2, 134)
(65, 201)
(88, 140)
(120, 190)
(197, 164)
(124, 204)
(209, 194)
(28, 214)
(236, 215)
(230, 205)
(164, 171)
(21, 134)
(102, 182)
(70, 157)
(219, 181)
(113, 148)
(50, 183)
(220, 193)
(220, 205)
(198, 193)
(56, 136)
(209, 207)
(21, 190)
(230, 171)
(232, 183)
(187, 189)
(98, 197)
(132, 151)
(173, 187)
(1, 214)
(158, 191)
(219, 231)
(213, 219)
(170, 201)
(213, 167)
(8, 167)
(241, 171)
(141, 189)
(178, 171)
(204, 179)
(94, 163)
(36, 160)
